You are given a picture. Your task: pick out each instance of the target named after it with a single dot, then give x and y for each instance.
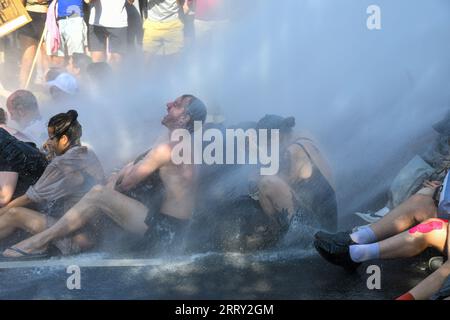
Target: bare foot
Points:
(22, 249)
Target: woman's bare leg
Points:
(21, 218)
(416, 209)
(275, 195)
(431, 233)
(126, 212)
(28, 46)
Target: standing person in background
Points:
(30, 36)
(210, 16)
(135, 29)
(108, 28)
(163, 29)
(71, 31)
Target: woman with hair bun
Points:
(72, 172)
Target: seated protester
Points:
(432, 165)
(63, 89)
(344, 248)
(21, 163)
(72, 173)
(14, 132)
(23, 108)
(152, 198)
(303, 185)
(430, 233)
(77, 66)
(100, 79)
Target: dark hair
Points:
(23, 98)
(66, 124)
(99, 71)
(3, 116)
(81, 61)
(271, 121)
(196, 109)
(53, 73)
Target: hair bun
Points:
(73, 115)
(289, 122)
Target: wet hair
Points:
(68, 125)
(81, 61)
(23, 98)
(196, 109)
(271, 121)
(99, 71)
(52, 74)
(3, 116)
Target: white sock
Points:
(365, 252)
(364, 235)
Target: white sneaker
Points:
(372, 217)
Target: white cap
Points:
(65, 82)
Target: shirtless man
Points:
(138, 212)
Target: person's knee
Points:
(269, 184)
(14, 216)
(422, 207)
(421, 201)
(427, 229)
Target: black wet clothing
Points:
(164, 233)
(315, 199)
(23, 158)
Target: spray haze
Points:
(366, 96)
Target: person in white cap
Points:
(63, 88)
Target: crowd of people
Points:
(107, 31)
(54, 187)
(59, 192)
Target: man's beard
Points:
(173, 123)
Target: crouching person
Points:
(72, 173)
(152, 197)
(303, 187)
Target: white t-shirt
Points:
(37, 131)
(109, 13)
(163, 11)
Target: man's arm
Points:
(155, 159)
(8, 182)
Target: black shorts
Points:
(35, 28)
(165, 233)
(117, 38)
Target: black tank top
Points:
(315, 198)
